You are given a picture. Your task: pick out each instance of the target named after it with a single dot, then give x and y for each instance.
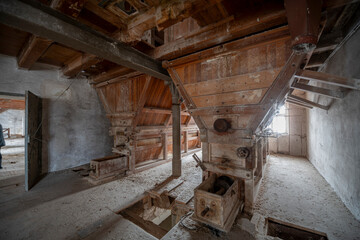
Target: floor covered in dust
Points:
(13, 158)
(292, 190)
(66, 206)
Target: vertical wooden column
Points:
(165, 143)
(176, 161)
(205, 146)
(265, 145)
(132, 157)
(249, 195)
(186, 139)
(199, 140)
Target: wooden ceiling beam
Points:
(79, 63)
(330, 79)
(117, 79)
(318, 90)
(112, 73)
(32, 51)
(47, 23)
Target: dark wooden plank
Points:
(318, 90)
(307, 102)
(33, 140)
(298, 104)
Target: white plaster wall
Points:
(294, 143)
(334, 135)
(13, 119)
(75, 128)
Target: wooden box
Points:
(216, 210)
(108, 167)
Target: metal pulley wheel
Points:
(222, 125)
(242, 152)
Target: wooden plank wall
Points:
(237, 78)
(140, 115)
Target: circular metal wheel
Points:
(222, 125)
(243, 152)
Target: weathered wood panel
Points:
(230, 99)
(140, 131)
(262, 79)
(33, 137)
(238, 77)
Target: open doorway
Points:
(12, 119)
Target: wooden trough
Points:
(107, 168)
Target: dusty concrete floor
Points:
(13, 161)
(292, 190)
(66, 206)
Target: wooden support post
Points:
(176, 161)
(165, 143)
(132, 157)
(186, 138)
(198, 139)
(249, 195)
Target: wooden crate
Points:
(223, 209)
(108, 167)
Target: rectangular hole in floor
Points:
(153, 219)
(284, 230)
